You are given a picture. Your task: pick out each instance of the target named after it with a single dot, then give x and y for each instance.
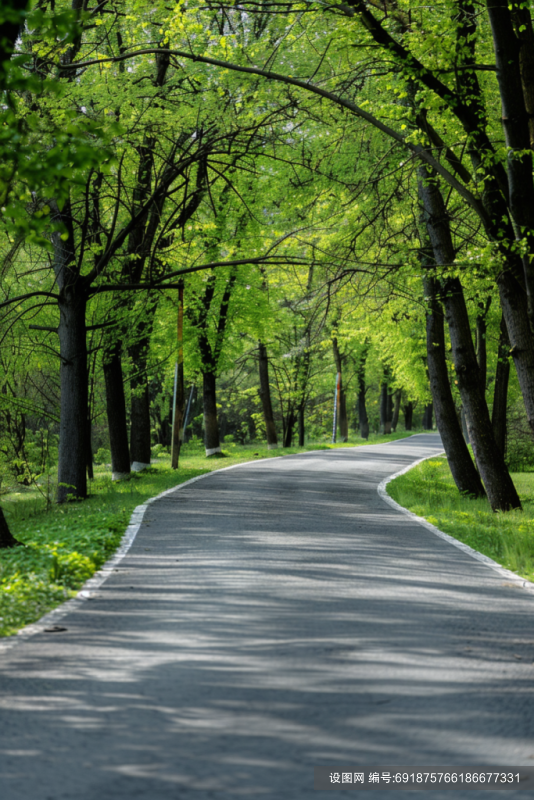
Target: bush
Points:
(102, 456)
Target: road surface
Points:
(268, 619)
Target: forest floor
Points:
(64, 545)
(429, 491)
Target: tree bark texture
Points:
(362, 408)
(461, 465)
(211, 423)
(396, 410)
(265, 397)
(72, 477)
(6, 537)
(343, 421)
(482, 352)
(386, 406)
(500, 489)
(516, 131)
(90, 469)
(116, 413)
(288, 429)
(408, 416)
(140, 434)
(500, 390)
(522, 22)
(301, 426)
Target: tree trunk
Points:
(408, 416)
(363, 419)
(72, 477)
(386, 406)
(265, 397)
(482, 353)
(301, 425)
(427, 417)
(522, 22)
(288, 430)
(362, 408)
(465, 429)
(6, 537)
(343, 422)
(211, 423)
(500, 390)
(516, 131)
(116, 414)
(90, 470)
(140, 434)
(396, 410)
(461, 465)
(500, 489)
(514, 308)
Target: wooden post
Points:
(178, 410)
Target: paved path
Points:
(268, 619)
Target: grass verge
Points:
(429, 491)
(65, 545)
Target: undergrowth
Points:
(508, 538)
(64, 545)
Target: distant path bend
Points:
(267, 619)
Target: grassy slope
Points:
(66, 544)
(429, 491)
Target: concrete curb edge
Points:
(489, 562)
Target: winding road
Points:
(267, 619)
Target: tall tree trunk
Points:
(265, 397)
(500, 390)
(116, 414)
(515, 123)
(288, 429)
(140, 434)
(212, 441)
(343, 421)
(363, 419)
(6, 537)
(408, 416)
(396, 410)
(301, 425)
(465, 429)
(386, 404)
(522, 22)
(482, 352)
(427, 417)
(90, 470)
(514, 308)
(72, 477)
(500, 489)
(343, 416)
(461, 465)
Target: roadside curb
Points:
(489, 562)
(94, 583)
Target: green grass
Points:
(65, 545)
(429, 491)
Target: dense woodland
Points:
(311, 189)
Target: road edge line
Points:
(470, 551)
(95, 582)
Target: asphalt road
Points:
(269, 619)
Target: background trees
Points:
(332, 185)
